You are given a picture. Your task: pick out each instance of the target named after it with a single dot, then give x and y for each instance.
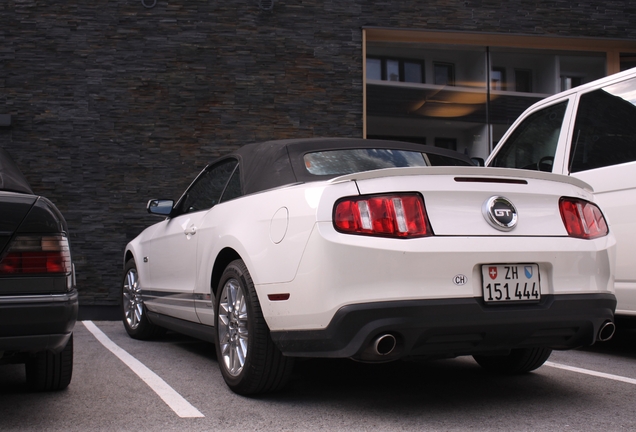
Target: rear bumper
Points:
(337, 270)
(452, 327)
(34, 323)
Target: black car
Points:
(38, 298)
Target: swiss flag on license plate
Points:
(492, 271)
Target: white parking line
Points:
(174, 400)
(591, 372)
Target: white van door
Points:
(602, 152)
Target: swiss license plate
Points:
(511, 283)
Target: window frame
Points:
(572, 145)
(450, 73)
(515, 129)
(200, 177)
(401, 61)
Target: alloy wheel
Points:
(132, 302)
(232, 323)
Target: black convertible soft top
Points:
(11, 178)
(271, 164)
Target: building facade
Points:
(107, 104)
(462, 90)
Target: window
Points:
(627, 61)
(233, 188)
(568, 82)
(447, 143)
(393, 69)
(374, 69)
(533, 143)
(444, 73)
(206, 190)
(523, 80)
(605, 130)
(413, 72)
(498, 78)
(340, 162)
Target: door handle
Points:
(190, 231)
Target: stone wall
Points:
(112, 103)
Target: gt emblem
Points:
(500, 213)
(492, 272)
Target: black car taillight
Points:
(37, 254)
(400, 215)
(582, 219)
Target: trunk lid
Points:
(13, 209)
(457, 199)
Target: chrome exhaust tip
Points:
(384, 344)
(607, 331)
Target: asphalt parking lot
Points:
(174, 384)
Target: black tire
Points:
(517, 362)
(133, 310)
(249, 361)
(46, 371)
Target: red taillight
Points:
(396, 215)
(37, 255)
(582, 219)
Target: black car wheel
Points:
(517, 362)
(133, 310)
(46, 371)
(248, 359)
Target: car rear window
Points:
(341, 162)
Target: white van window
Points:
(605, 128)
(533, 143)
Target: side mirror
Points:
(161, 207)
(478, 161)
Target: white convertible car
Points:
(365, 249)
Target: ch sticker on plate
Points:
(511, 283)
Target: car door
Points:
(603, 154)
(171, 255)
(207, 250)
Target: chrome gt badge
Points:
(500, 213)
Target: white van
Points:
(588, 132)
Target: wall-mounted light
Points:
(266, 4)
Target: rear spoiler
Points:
(471, 172)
